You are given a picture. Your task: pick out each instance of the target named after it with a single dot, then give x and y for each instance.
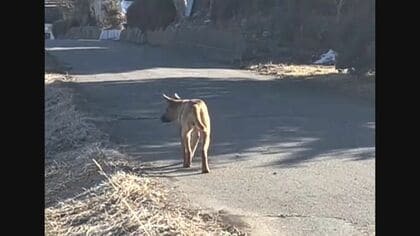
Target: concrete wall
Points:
(133, 35)
(85, 32)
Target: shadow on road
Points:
(293, 121)
(89, 57)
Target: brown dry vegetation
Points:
(92, 189)
(284, 70)
(327, 76)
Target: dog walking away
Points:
(194, 119)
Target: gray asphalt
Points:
(288, 157)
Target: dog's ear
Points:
(167, 98)
(176, 96)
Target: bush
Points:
(313, 26)
(355, 38)
(82, 13)
(52, 14)
(61, 27)
(151, 15)
(113, 16)
(224, 10)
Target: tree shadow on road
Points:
(89, 57)
(289, 121)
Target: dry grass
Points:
(327, 76)
(56, 77)
(70, 142)
(126, 204)
(284, 70)
(92, 189)
(66, 128)
(72, 172)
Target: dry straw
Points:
(92, 189)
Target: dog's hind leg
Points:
(184, 149)
(204, 157)
(187, 143)
(195, 138)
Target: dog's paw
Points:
(205, 171)
(187, 165)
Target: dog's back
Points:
(198, 114)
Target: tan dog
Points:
(193, 116)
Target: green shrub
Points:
(151, 14)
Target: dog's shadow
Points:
(171, 170)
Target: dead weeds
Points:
(286, 71)
(92, 189)
(326, 76)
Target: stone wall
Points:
(133, 35)
(85, 32)
(215, 44)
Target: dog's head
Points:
(172, 109)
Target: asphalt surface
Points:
(287, 157)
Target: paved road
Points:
(287, 157)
